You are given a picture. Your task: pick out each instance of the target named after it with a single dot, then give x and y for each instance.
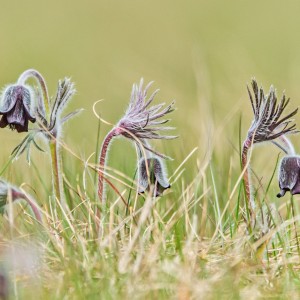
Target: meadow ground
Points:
(192, 242)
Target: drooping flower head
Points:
(269, 122)
(289, 175)
(152, 172)
(49, 124)
(17, 107)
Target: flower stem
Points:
(102, 162)
(42, 83)
(288, 144)
(246, 178)
(56, 170)
(31, 202)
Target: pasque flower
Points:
(141, 123)
(17, 107)
(20, 104)
(289, 175)
(269, 123)
(152, 173)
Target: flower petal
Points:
(8, 100)
(143, 182)
(17, 115)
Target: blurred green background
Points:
(201, 53)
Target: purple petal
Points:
(3, 121)
(27, 102)
(160, 174)
(8, 100)
(17, 114)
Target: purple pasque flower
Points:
(16, 107)
(269, 122)
(49, 124)
(143, 121)
(152, 173)
(289, 175)
(140, 123)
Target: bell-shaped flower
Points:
(152, 173)
(289, 175)
(16, 107)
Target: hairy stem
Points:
(42, 84)
(246, 178)
(288, 144)
(102, 162)
(56, 170)
(31, 202)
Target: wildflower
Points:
(16, 106)
(289, 175)
(156, 176)
(49, 123)
(269, 124)
(140, 123)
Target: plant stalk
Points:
(57, 180)
(42, 83)
(246, 178)
(289, 146)
(31, 202)
(102, 162)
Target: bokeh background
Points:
(201, 53)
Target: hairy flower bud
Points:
(289, 173)
(270, 121)
(16, 107)
(157, 176)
